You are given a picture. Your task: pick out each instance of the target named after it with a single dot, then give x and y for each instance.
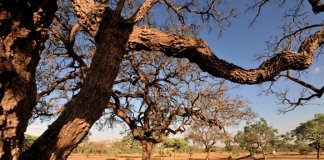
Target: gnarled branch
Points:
(197, 51)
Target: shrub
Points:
(114, 151)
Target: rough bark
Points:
(87, 106)
(18, 62)
(23, 31)
(148, 147)
(197, 51)
(317, 6)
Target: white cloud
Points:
(317, 69)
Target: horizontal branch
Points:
(197, 51)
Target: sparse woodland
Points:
(258, 139)
(75, 61)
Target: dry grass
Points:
(195, 156)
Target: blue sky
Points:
(239, 44)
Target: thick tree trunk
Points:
(21, 42)
(85, 108)
(148, 147)
(18, 95)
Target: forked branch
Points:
(197, 51)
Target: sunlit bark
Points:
(197, 51)
(23, 31)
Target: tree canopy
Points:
(157, 96)
(312, 132)
(258, 136)
(61, 58)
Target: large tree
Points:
(258, 136)
(116, 28)
(229, 111)
(153, 95)
(206, 135)
(312, 132)
(157, 96)
(23, 31)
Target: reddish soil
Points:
(195, 156)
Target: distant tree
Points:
(91, 147)
(258, 136)
(304, 148)
(29, 140)
(312, 132)
(230, 111)
(126, 145)
(284, 142)
(206, 136)
(96, 147)
(177, 144)
(130, 143)
(157, 96)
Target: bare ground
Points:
(195, 156)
